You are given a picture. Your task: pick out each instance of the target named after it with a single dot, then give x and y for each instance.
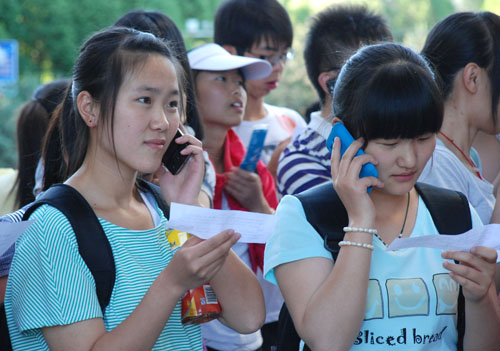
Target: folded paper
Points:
(487, 235)
(205, 222)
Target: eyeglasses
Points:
(274, 59)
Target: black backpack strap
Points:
(93, 245)
(449, 209)
(287, 337)
(5, 343)
(155, 190)
(326, 213)
(450, 212)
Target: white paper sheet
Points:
(205, 222)
(488, 235)
(9, 232)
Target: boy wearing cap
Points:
(219, 80)
(260, 29)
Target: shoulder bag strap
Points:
(93, 245)
(451, 214)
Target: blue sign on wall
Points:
(9, 61)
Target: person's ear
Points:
(471, 76)
(231, 49)
(324, 78)
(88, 109)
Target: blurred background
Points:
(47, 34)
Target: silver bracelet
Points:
(352, 243)
(363, 230)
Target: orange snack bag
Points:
(198, 305)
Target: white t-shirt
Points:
(445, 170)
(411, 300)
(280, 121)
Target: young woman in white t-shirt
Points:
(464, 51)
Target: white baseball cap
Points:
(213, 57)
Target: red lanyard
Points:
(464, 155)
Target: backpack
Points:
(93, 245)
(449, 210)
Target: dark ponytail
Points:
(462, 38)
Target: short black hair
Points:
(243, 23)
(462, 38)
(335, 34)
(388, 91)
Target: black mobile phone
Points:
(172, 159)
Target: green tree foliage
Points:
(50, 33)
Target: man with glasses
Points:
(260, 29)
(335, 34)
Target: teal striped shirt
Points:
(49, 283)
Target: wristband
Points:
(352, 243)
(363, 230)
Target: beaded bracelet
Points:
(356, 229)
(352, 243)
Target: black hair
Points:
(243, 23)
(100, 69)
(335, 34)
(387, 91)
(462, 38)
(164, 28)
(32, 123)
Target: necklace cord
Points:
(406, 216)
(400, 235)
(467, 158)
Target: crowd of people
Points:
(324, 280)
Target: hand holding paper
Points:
(488, 235)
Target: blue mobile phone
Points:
(254, 148)
(346, 139)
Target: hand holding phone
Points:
(172, 159)
(254, 148)
(346, 139)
